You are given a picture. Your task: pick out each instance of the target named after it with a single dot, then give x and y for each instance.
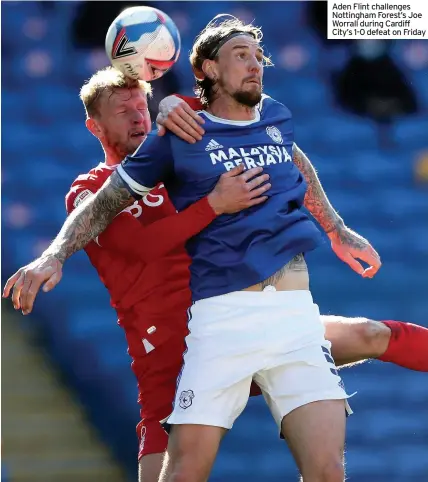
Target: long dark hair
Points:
(207, 45)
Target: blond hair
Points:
(107, 80)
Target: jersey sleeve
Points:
(152, 242)
(124, 222)
(78, 193)
(150, 164)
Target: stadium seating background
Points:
(45, 145)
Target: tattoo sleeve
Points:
(316, 201)
(91, 218)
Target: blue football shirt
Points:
(238, 250)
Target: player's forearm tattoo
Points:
(91, 218)
(351, 239)
(316, 201)
(298, 263)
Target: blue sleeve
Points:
(150, 164)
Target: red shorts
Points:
(157, 374)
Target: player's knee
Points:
(333, 471)
(188, 467)
(177, 476)
(182, 476)
(183, 472)
(184, 462)
(374, 335)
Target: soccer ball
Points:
(143, 42)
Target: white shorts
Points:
(275, 338)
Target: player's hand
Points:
(237, 190)
(350, 246)
(178, 117)
(26, 282)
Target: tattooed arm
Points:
(90, 219)
(85, 223)
(346, 244)
(316, 201)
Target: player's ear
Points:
(93, 127)
(209, 69)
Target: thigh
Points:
(304, 376)
(157, 374)
(209, 392)
(214, 384)
(315, 434)
(157, 377)
(192, 450)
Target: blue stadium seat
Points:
(418, 81)
(20, 140)
(112, 356)
(58, 102)
(13, 106)
(412, 132)
(88, 323)
(336, 133)
(300, 94)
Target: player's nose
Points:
(254, 65)
(138, 118)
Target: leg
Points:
(153, 443)
(149, 467)
(193, 444)
(307, 399)
(408, 346)
(355, 339)
(192, 450)
(157, 374)
(212, 390)
(315, 434)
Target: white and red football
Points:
(143, 42)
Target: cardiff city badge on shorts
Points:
(186, 398)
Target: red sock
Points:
(408, 346)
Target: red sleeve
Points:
(162, 236)
(194, 102)
(151, 242)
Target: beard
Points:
(249, 99)
(122, 147)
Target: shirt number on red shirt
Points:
(151, 200)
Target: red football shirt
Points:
(141, 260)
